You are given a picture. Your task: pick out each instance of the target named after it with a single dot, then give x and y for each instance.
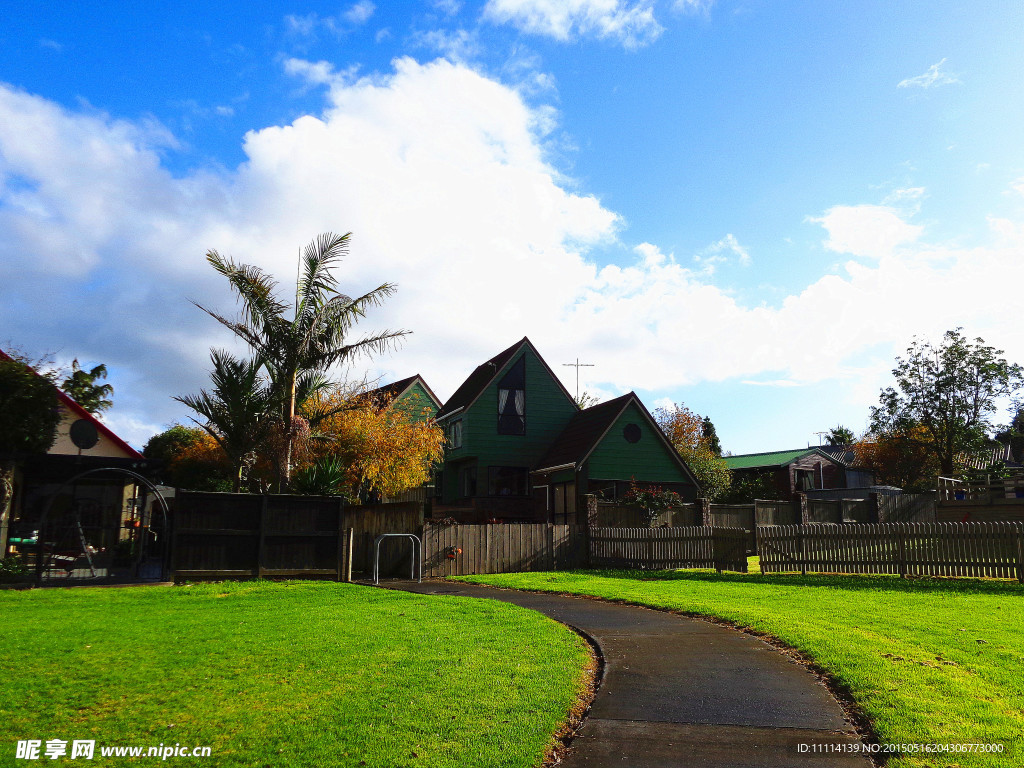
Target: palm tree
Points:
(239, 412)
(297, 352)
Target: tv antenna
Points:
(577, 365)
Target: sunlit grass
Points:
(929, 661)
(286, 674)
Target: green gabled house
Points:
(519, 448)
(411, 395)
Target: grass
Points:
(928, 661)
(286, 674)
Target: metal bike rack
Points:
(417, 554)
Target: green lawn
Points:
(928, 661)
(286, 674)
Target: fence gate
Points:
(92, 530)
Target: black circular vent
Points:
(632, 433)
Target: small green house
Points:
(519, 448)
(411, 395)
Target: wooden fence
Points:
(461, 550)
(908, 549)
(723, 549)
(907, 508)
(228, 535)
(612, 514)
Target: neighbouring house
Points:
(411, 395)
(519, 448)
(854, 476)
(795, 471)
(102, 505)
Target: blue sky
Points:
(748, 207)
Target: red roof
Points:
(81, 413)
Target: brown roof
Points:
(588, 427)
(391, 392)
(482, 377)
(583, 432)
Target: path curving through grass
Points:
(932, 663)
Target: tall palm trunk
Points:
(6, 497)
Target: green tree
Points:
(950, 391)
(29, 417)
(1013, 435)
(711, 436)
(317, 335)
(239, 411)
(690, 436)
(840, 435)
(179, 460)
(81, 387)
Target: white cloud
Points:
(441, 175)
(458, 45)
(930, 79)
(632, 25)
(359, 13)
(866, 230)
(52, 45)
(720, 252)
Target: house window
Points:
(804, 479)
(455, 434)
(467, 482)
(507, 481)
(512, 400)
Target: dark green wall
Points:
(648, 460)
(417, 403)
(548, 410)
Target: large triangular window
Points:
(512, 400)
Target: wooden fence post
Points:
(873, 507)
(261, 552)
(803, 552)
(901, 552)
(549, 545)
(705, 511)
(591, 501)
(801, 502)
(1020, 552)
(341, 544)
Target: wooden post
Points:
(803, 552)
(550, 545)
(873, 507)
(705, 511)
(1019, 534)
(264, 519)
(801, 502)
(341, 543)
(349, 541)
(591, 502)
(901, 552)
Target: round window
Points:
(631, 433)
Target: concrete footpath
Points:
(683, 692)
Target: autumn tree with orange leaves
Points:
(367, 447)
(900, 458)
(695, 440)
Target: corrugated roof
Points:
(769, 459)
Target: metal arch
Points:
(165, 510)
(417, 554)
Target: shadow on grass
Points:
(867, 582)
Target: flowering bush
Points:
(652, 499)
